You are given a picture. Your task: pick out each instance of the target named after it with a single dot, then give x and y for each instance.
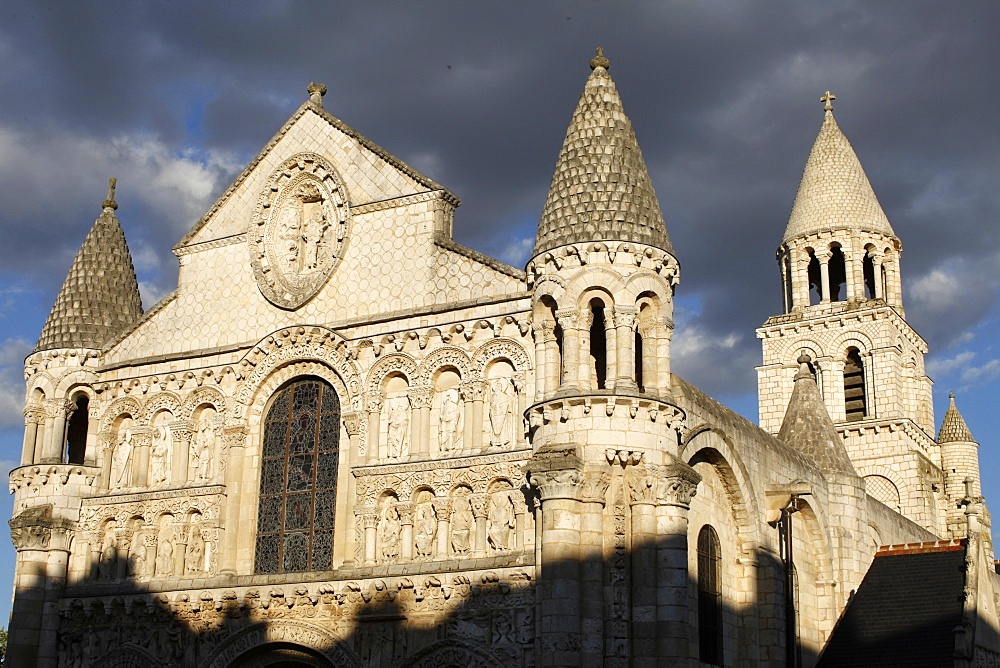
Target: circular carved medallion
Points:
(298, 230)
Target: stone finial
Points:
(827, 100)
(110, 202)
(599, 60)
(804, 370)
(316, 92)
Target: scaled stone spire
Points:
(953, 427)
(99, 300)
(600, 190)
(807, 426)
(834, 192)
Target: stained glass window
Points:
(298, 480)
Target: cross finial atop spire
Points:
(110, 202)
(828, 99)
(599, 60)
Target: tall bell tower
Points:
(843, 307)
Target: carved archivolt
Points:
(282, 372)
(327, 643)
(501, 348)
(442, 357)
(162, 401)
(200, 397)
(124, 406)
(395, 363)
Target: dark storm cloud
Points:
(723, 97)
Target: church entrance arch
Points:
(281, 655)
(283, 644)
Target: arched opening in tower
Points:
(815, 280)
(598, 344)
(638, 360)
(868, 269)
(838, 275)
(854, 386)
(76, 432)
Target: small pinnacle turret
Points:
(953, 427)
(807, 426)
(834, 192)
(99, 300)
(316, 92)
(600, 189)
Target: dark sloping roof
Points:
(834, 192)
(808, 428)
(953, 427)
(600, 190)
(99, 300)
(905, 611)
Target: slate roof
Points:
(808, 428)
(834, 192)
(600, 189)
(904, 612)
(953, 427)
(99, 300)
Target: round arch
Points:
(318, 644)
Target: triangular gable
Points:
(370, 173)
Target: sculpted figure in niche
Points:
(203, 448)
(399, 426)
(290, 234)
(159, 455)
(503, 399)
(462, 521)
(450, 419)
(313, 231)
(121, 461)
(388, 531)
(425, 528)
(194, 557)
(137, 551)
(109, 556)
(501, 521)
(165, 549)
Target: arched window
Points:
(838, 275)
(868, 273)
(598, 344)
(854, 386)
(76, 432)
(638, 361)
(815, 279)
(709, 596)
(298, 481)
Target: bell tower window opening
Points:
(786, 279)
(815, 279)
(854, 386)
(838, 275)
(298, 482)
(76, 432)
(709, 596)
(868, 272)
(638, 361)
(598, 344)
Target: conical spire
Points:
(807, 426)
(99, 300)
(600, 190)
(834, 192)
(953, 427)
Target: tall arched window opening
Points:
(298, 481)
(838, 275)
(868, 273)
(709, 596)
(638, 361)
(815, 280)
(76, 432)
(786, 278)
(598, 344)
(854, 386)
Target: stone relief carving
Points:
(500, 522)
(203, 447)
(450, 421)
(164, 564)
(388, 532)
(159, 455)
(462, 525)
(503, 403)
(121, 462)
(424, 526)
(194, 556)
(398, 421)
(108, 564)
(298, 230)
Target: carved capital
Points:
(594, 486)
(561, 484)
(236, 437)
(823, 256)
(352, 423)
(142, 436)
(181, 429)
(624, 316)
(567, 318)
(674, 484)
(442, 508)
(36, 529)
(421, 396)
(479, 507)
(375, 404)
(473, 390)
(34, 414)
(367, 518)
(55, 408)
(405, 511)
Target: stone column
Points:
(123, 538)
(610, 349)
(344, 550)
(141, 438)
(849, 285)
(786, 284)
(58, 412)
(592, 496)
(420, 422)
(520, 510)
(235, 494)
(571, 354)
(877, 259)
(553, 363)
(56, 563)
(179, 458)
(538, 331)
(442, 508)
(180, 548)
(33, 416)
(676, 486)
(106, 444)
(642, 486)
(479, 510)
(585, 381)
(374, 426)
(664, 332)
(405, 511)
(802, 284)
(824, 274)
(369, 522)
(519, 387)
(560, 587)
(473, 392)
(625, 335)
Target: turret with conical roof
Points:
(99, 300)
(960, 463)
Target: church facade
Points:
(346, 439)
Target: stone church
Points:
(345, 439)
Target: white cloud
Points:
(12, 354)
(949, 365)
(517, 252)
(980, 374)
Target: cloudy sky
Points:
(173, 98)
